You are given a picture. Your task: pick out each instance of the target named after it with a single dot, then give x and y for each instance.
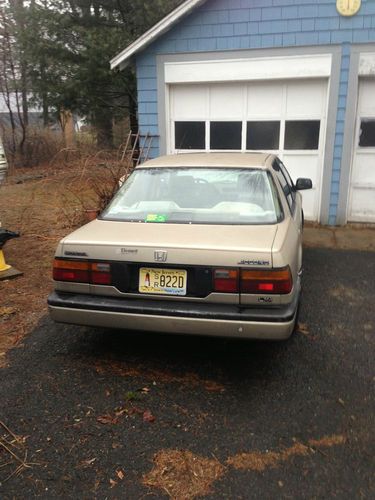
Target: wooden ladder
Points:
(137, 147)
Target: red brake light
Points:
(266, 287)
(82, 272)
(226, 280)
(273, 281)
(65, 270)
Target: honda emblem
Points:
(160, 256)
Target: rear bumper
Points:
(174, 317)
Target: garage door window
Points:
(302, 134)
(260, 135)
(263, 135)
(190, 135)
(367, 133)
(226, 135)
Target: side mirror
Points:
(302, 184)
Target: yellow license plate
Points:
(162, 281)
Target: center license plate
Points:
(162, 281)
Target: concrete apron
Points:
(341, 237)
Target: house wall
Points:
(223, 25)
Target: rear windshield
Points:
(196, 196)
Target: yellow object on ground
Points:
(3, 265)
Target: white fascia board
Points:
(122, 59)
(270, 68)
(367, 64)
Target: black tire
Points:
(295, 327)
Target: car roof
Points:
(243, 160)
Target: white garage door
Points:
(362, 187)
(284, 117)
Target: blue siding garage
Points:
(291, 76)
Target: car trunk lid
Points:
(174, 244)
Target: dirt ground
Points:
(45, 204)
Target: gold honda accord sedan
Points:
(205, 244)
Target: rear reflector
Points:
(96, 273)
(226, 280)
(66, 270)
(275, 281)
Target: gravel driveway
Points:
(103, 414)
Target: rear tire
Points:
(296, 320)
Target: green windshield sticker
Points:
(156, 218)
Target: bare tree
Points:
(19, 17)
(9, 83)
(4, 80)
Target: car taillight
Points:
(274, 281)
(96, 273)
(101, 274)
(66, 270)
(226, 280)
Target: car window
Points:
(196, 196)
(292, 190)
(286, 183)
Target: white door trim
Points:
(265, 68)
